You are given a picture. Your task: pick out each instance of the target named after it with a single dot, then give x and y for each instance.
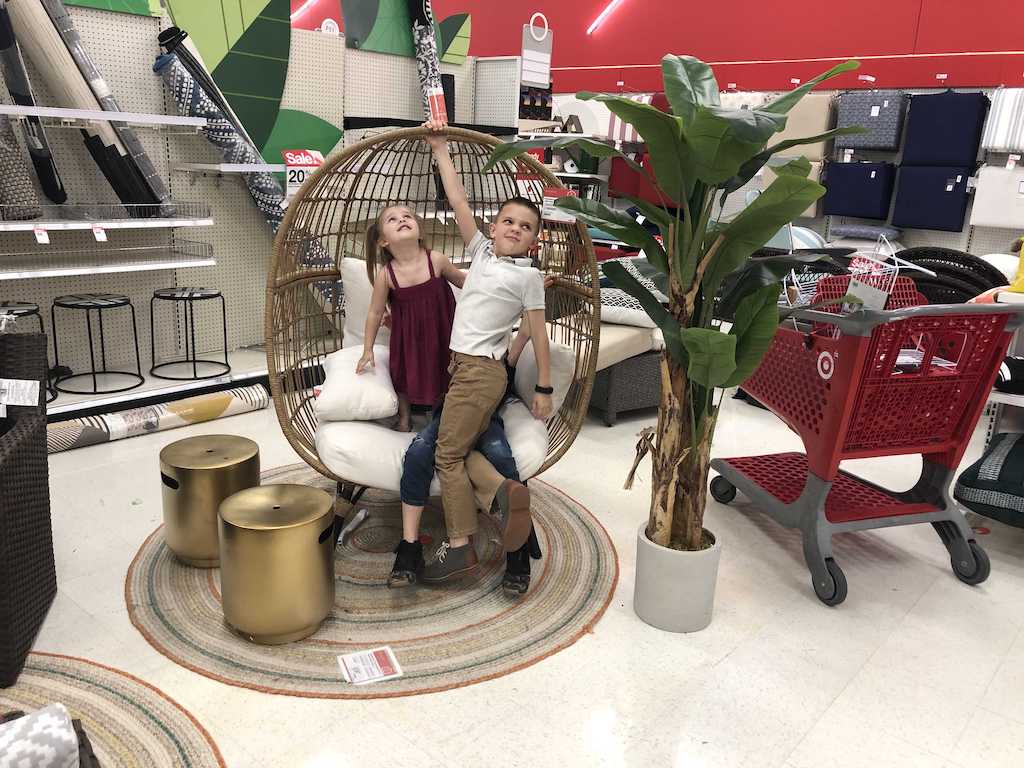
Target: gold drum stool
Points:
(197, 474)
(277, 561)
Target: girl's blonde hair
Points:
(376, 257)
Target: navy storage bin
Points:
(880, 112)
(863, 190)
(944, 129)
(931, 198)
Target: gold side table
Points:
(277, 561)
(196, 475)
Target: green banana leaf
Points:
(557, 141)
(619, 224)
(246, 45)
(754, 326)
(689, 83)
(712, 356)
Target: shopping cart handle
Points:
(864, 321)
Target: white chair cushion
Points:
(369, 454)
(621, 342)
(349, 396)
(563, 367)
(1006, 263)
(358, 292)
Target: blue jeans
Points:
(418, 465)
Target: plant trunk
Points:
(679, 471)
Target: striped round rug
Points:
(129, 723)
(443, 637)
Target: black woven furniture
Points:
(98, 303)
(959, 276)
(630, 385)
(189, 297)
(28, 581)
(23, 309)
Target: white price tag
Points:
(795, 80)
(100, 234)
(847, 155)
(873, 174)
(885, 104)
(299, 166)
(370, 666)
(730, 86)
(19, 391)
(1011, 162)
(959, 178)
(1020, 189)
(870, 297)
(42, 236)
(942, 76)
(876, 111)
(949, 186)
(3, 411)
(866, 78)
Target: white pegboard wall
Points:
(316, 76)
(384, 85)
(497, 91)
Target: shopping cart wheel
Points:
(722, 490)
(973, 572)
(831, 590)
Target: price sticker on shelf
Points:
(100, 234)
(299, 166)
(42, 236)
(1011, 162)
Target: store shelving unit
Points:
(100, 261)
(70, 217)
(61, 117)
(231, 167)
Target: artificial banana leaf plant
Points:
(700, 153)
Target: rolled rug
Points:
(18, 85)
(18, 199)
(428, 64)
(42, 739)
(39, 40)
(65, 26)
(192, 100)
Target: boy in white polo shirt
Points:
(496, 294)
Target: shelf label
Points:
(100, 234)
(19, 392)
(42, 236)
(299, 166)
(1011, 162)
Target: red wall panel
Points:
(640, 32)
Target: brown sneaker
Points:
(511, 512)
(449, 563)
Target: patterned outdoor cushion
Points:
(881, 112)
(619, 307)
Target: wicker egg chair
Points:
(332, 211)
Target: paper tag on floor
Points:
(372, 666)
(19, 392)
(870, 297)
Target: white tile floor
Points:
(915, 669)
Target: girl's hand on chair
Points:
(366, 362)
(541, 406)
(437, 138)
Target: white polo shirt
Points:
(495, 294)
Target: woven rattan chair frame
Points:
(333, 209)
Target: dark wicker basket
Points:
(28, 580)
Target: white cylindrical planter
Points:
(675, 590)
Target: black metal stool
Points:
(98, 302)
(19, 310)
(189, 296)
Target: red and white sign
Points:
(370, 666)
(438, 110)
(300, 164)
(553, 213)
(317, 15)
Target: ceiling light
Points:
(603, 15)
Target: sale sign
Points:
(317, 15)
(299, 166)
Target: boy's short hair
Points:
(526, 203)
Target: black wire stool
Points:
(189, 296)
(98, 302)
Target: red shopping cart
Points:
(908, 380)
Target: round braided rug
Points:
(444, 637)
(129, 723)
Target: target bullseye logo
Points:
(826, 365)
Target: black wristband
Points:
(544, 390)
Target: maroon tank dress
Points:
(421, 328)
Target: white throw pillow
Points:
(358, 292)
(350, 396)
(370, 454)
(563, 367)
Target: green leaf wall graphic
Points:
(245, 43)
(136, 7)
(300, 130)
(383, 26)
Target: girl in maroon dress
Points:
(415, 282)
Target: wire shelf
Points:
(99, 260)
(25, 218)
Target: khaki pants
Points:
(475, 392)
(485, 479)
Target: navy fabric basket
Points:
(863, 190)
(944, 129)
(880, 112)
(931, 198)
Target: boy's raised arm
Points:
(453, 188)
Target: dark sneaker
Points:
(511, 512)
(408, 565)
(517, 572)
(449, 563)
